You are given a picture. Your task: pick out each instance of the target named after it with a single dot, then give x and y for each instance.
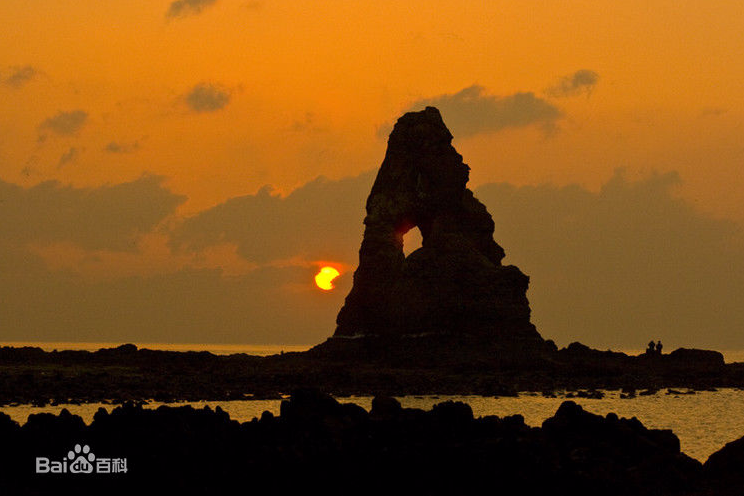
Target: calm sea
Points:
(704, 421)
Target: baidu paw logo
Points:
(81, 460)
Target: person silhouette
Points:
(651, 348)
(659, 346)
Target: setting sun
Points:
(324, 278)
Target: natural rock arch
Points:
(455, 283)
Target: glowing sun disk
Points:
(324, 278)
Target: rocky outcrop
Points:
(612, 455)
(725, 469)
(455, 284)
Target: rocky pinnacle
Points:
(455, 283)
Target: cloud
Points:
(253, 5)
(20, 75)
(109, 217)
(183, 8)
(118, 147)
(626, 264)
(712, 112)
(471, 111)
(308, 124)
(582, 81)
(320, 220)
(207, 98)
(65, 123)
(68, 156)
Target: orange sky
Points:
(310, 82)
(307, 86)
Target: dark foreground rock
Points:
(725, 468)
(319, 446)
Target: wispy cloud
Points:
(119, 147)
(206, 97)
(253, 5)
(712, 112)
(19, 76)
(580, 82)
(65, 123)
(472, 111)
(183, 8)
(68, 156)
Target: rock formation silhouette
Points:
(455, 284)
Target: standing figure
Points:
(658, 347)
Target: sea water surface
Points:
(703, 421)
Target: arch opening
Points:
(412, 241)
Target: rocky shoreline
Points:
(125, 373)
(317, 444)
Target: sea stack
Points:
(455, 284)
